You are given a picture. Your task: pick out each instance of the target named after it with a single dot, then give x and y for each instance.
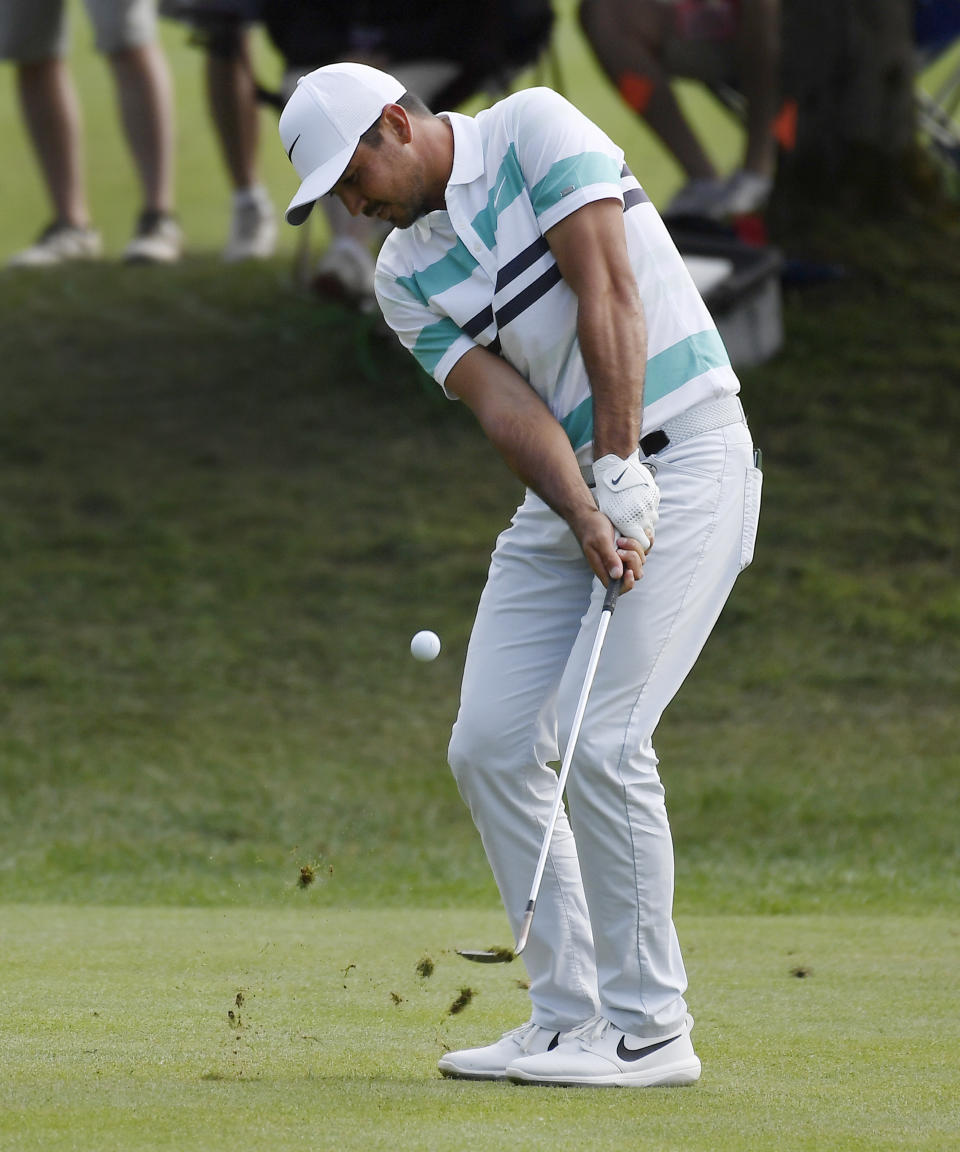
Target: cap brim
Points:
(318, 184)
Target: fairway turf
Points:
(816, 1033)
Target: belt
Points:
(703, 418)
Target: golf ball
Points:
(425, 646)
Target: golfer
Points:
(529, 273)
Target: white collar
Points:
(467, 162)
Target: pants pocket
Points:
(753, 484)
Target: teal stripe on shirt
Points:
(433, 342)
(578, 424)
(455, 266)
(667, 371)
(574, 172)
(507, 187)
(674, 366)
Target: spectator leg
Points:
(232, 97)
(758, 47)
(626, 36)
(146, 110)
(51, 111)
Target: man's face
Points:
(383, 181)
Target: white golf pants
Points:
(602, 938)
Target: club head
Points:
(487, 955)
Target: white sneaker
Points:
(158, 240)
(490, 1063)
(599, 1053)
(697, 198)
(745, 192)
(58, 244)
(346, 273)
(253, 226)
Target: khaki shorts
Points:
(37, 29)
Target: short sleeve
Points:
(566, 160)
(435, 341)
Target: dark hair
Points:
(410, 103)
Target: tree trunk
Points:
(850, 66)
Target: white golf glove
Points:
(627, 494)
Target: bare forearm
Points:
(613, 343)
(530, 439)
(525, 433)
(591, 251)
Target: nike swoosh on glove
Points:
(627, 494)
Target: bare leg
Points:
(146, 109)
(758, 47)
(626, 36)
(51, 112)
(233, 105)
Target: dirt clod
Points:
(466, 995)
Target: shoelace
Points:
(524, 1035)
(588, 1032)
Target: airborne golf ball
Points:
(425, 646)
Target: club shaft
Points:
(608, 606)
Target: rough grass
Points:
(226, 510)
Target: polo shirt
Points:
(481, 272)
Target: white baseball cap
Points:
(323, 121)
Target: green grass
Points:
(816, 1033)
(205, 686)
(204, 618)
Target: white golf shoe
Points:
(697, 198)
(601, 1054)
(490, 1063)
(253, 226)
(59, 244)
(346, 273)
(157, 240)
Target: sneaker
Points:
(697, 198)
(745, 192)
(346, 273)
(253, 227)
(158, 240)
(599, 1053)
(490, 1063)
(57, 244)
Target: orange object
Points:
(636, 89)
(784, 125)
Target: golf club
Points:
(504, 955)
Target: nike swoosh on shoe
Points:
(631, 1054)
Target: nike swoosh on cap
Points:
(292, 146)
(631, 1054)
